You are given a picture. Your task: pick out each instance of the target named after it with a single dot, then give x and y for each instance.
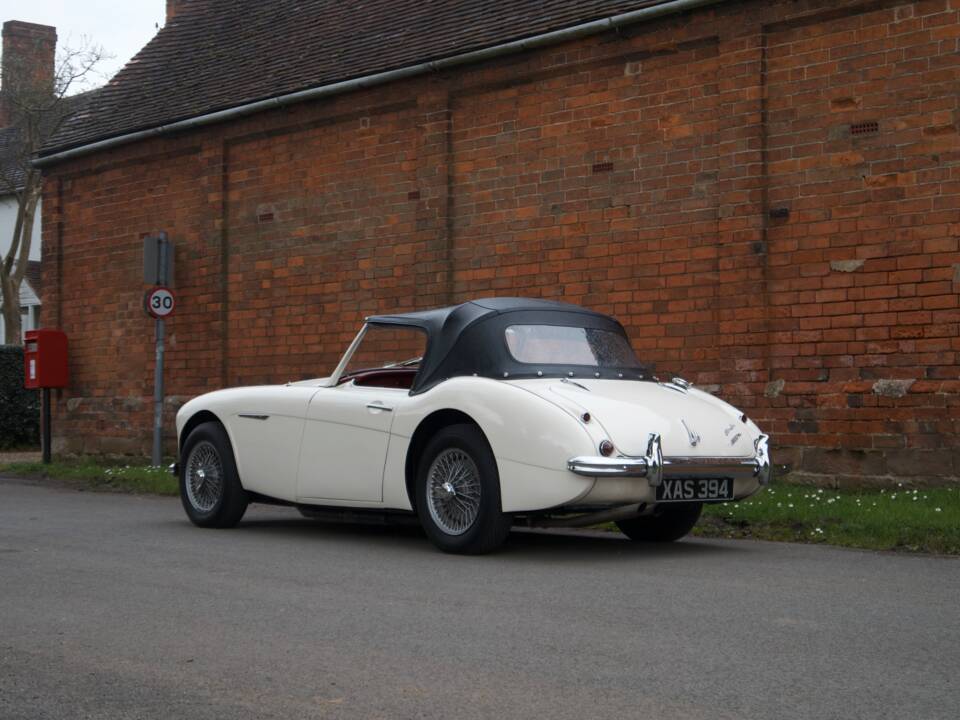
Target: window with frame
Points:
(564, 345)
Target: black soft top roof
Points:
(468, 339)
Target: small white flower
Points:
(937, 510)
(790, 505)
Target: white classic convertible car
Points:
(473, 418)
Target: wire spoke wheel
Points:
(453, 491)
(204, 477)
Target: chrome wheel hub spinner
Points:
(453, 491)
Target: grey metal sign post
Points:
(159, 302)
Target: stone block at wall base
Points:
(867, 482)
(882, 467)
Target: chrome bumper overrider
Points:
(655, 467)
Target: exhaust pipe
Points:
(595, 518)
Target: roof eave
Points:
(488, 53)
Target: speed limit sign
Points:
(160, 302)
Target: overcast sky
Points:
(121, 27)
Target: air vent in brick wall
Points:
(603, 167)
(865, 128)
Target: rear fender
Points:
(531, 440)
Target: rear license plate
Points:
(695, 490)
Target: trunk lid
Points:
(691, 423)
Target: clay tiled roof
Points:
(217, 54)
(14, 156)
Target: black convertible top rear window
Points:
(563, 345)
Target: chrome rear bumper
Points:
(655, 467)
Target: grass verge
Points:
(917, 520)
(896, 519)
(99, 476)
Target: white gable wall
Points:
(8, 218)
(28, 298)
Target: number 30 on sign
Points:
(160, 302)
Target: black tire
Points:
(665, 525)
(216, 505)
(489, 526)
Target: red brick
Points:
(675, 239)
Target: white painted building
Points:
(29, 288)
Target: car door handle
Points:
(377, 405)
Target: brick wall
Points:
(767, 195)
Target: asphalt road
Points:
(113, 606)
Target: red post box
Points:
(45, 359)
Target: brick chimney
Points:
(29, 53)
(174, 8)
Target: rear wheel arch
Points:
(428, 427)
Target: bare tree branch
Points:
(37, 108)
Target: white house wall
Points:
(28, 298)
(8, 219)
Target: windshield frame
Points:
(340, 374)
